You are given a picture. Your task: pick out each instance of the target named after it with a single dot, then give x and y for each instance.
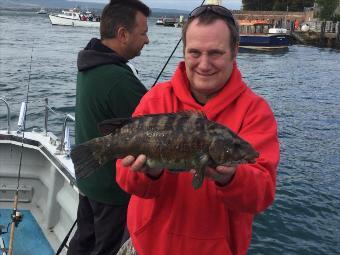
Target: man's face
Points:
(208, 58)
(138, 37)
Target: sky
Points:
(178, 4)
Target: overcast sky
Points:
(177, 4)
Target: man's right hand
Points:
(139, 165)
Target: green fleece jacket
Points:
(106, 88)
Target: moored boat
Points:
(160, 21)
(169, 22)
(42, 11)
(75, 18)
(264, 42)
(180, 22)
(259, 35)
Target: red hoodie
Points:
(167, 216)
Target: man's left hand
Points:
(221, 174)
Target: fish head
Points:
(232, 151)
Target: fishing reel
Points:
(16, 217)
(1, 229)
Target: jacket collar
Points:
(97, 54)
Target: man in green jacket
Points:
(107, 88)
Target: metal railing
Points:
(326, 26)
(65, 145)
(8, 115)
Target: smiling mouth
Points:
(205, 74)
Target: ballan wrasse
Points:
(176, 141)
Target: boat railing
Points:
(65, 142)
(8, 115)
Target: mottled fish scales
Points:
(176, 141)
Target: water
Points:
(301, 85)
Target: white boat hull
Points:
(55, 20)
(47, 186)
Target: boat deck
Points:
(47, 197)
(29, 238)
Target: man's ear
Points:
(123, 34)
(236, 50)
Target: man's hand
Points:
(139, 165)
(221, 174)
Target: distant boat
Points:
(75, 18)
(42, 11)
(160, 21)
(169, 22)
(180, 22)
(259, 35)
(215, 2)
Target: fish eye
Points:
(227, 149)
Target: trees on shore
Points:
(329, 9)
(277, 5)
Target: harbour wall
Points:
(320, 33)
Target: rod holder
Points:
(21, 120)
(65, 144)
(46, 116)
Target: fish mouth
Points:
(234, 163)
(252, 158)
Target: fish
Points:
(175, 141)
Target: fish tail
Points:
(84, 161)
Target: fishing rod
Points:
(172, 53)
(16, 215)
(63, 244)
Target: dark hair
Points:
(207, 16)
(120, 13)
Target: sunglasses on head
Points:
(216, 9)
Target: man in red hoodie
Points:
(166, 215)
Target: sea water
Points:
(302, 85)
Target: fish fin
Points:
(198, 178)
(186, 114)
(192, 113)
(109, 126)
(171, 121)
(83, 160)
(196, 113)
